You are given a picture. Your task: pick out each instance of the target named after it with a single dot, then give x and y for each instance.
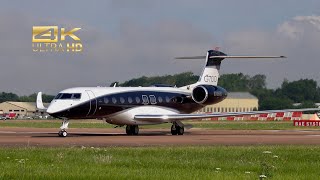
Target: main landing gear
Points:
(177, 128)
(63, 132)
(132, 129)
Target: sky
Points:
(124, 39)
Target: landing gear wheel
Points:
(174, 130)
(180, 130)
(63, 133)
(135, 130)
(132, 129)
(177, 130)
(128, 130)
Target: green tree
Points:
(8, 97)
(301, 90)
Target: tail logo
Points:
(211, 79)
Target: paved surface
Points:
(21, 137)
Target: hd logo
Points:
(53, 39)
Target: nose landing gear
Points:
(63, 132)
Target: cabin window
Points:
(106, 100)
(122, 100)
(130, 100)
(137, 99)
(114, 100)
(167, 99)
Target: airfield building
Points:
(19, 108)
(235, 102)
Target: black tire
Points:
(128, 130)
(180, 130)
(135, 130)
(174, 130)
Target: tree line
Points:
(303, 91)
(4, 96)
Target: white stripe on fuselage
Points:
(102, 91)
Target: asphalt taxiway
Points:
(97, 137)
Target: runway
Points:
(97, 137)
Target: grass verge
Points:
(220, 162)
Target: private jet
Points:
(135, 106)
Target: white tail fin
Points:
(210, 74)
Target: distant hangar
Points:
(235, 102)
(19, 108)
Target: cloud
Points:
(297, 38)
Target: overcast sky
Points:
(123, 39)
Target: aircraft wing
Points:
(179, 117)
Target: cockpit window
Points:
(68, 96)
(58, 96)
(76, 96)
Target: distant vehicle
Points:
(134, 106)
(10, 115)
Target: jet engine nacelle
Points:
(208, 94)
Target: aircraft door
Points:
(93, 103)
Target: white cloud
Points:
(297, 38)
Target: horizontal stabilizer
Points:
(218, 57)
(191, 57)
(247, 57)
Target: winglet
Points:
(39, 102)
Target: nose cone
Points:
(57, 109)
(52, 108)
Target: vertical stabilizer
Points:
(210, 73)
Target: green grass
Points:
(221, 162)
(236, 125)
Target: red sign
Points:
(306, 123)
